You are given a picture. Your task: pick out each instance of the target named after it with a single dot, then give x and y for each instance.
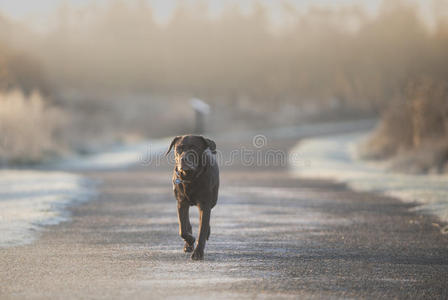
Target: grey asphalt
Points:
(272, 236)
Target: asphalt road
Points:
(272, 236)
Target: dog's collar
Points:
(178, 179)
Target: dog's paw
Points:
(198, 254)
(188, 247)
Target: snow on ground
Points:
(30, 199)
(334, 157)
(115, 158)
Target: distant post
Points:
(201, 109)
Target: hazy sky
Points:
(37, 11)
(23, 8)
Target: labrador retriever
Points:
(195, 182)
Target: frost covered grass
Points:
(27, 127)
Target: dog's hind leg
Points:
(185, 226)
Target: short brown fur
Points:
(195, 182)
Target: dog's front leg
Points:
(185, 226)
(204, 228)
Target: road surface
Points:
(272, 236)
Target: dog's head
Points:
(190, 152)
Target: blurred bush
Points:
(414, 130)
(27, 128)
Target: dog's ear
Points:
(173, 142)
(210, 144)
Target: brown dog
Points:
(195, 182)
